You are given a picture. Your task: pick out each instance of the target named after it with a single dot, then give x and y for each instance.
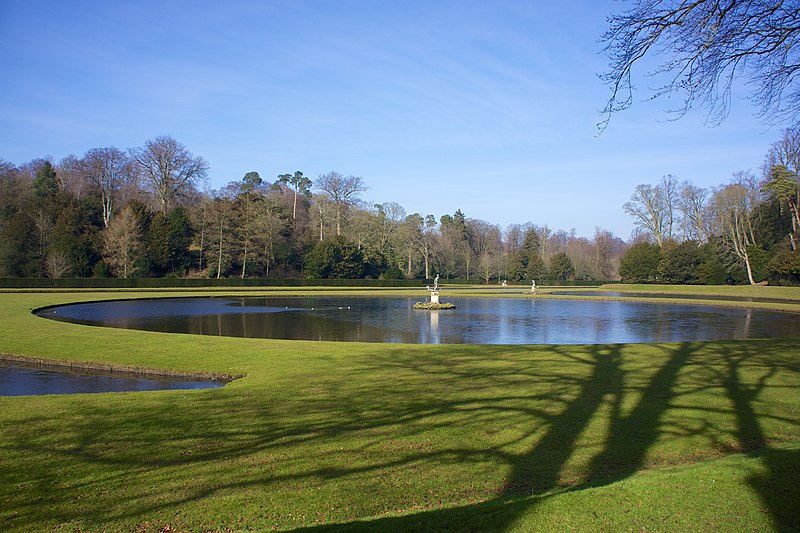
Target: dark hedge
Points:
(175, 283)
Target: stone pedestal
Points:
(434, 297)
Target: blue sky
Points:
(491, 108)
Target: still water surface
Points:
(474, 321)
(24, 380)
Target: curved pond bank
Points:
(393, 320)
(19, 377)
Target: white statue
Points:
(436, 283)
(533, 287)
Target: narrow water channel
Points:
(27, 380)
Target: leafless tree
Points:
(390, 215)
(487, 261)
(704, 47)
(57, 264)
(14, 186)
(221, 227)
(109, 169)
(692, 205)
(544, 233)
(201, 220)
(604, 260)
(582, 253)
(418, 234)
(405, 239)
(168, 169)
(653, 208)
(122, 243)
(71, 176)
(733, 207)
(785, 151)
(485, 241)
(268, 227)
(342, 191)
(321, 207)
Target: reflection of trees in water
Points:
(475, 321)
(300, 325)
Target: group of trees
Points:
(741, 232)
(143, 213)
(109, 211)
(746, 230)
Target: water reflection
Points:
(435, 338)
(18, 379)
(474, 321)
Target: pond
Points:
(17, 379)
(474, 321)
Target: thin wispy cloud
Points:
(496, 104)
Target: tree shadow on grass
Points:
(141, 458)
(778, 487)
(748, 376)
(739, 371)
(538, 471)
(631, 435)
(487, 432)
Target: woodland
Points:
(147, 212)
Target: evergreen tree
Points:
(640, 263)
(335, 257)
(711, 270)
(536, 268)
(561, 268)
(45, 184)
(680, 263)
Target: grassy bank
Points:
(742, 291)
(334, 436)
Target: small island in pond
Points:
(431, 306)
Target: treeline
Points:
(142, 213)
(741, 232)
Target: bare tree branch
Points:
(705, 47)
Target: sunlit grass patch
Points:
(681, 436)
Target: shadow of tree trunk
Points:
(630, 436)
(778, 485)
(539, 470)
(779, 489)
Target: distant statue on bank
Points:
(533, 287)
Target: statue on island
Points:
(434, 303)
(435, 290)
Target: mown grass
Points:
(745, 291)
(348, 436)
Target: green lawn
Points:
(333, 436)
